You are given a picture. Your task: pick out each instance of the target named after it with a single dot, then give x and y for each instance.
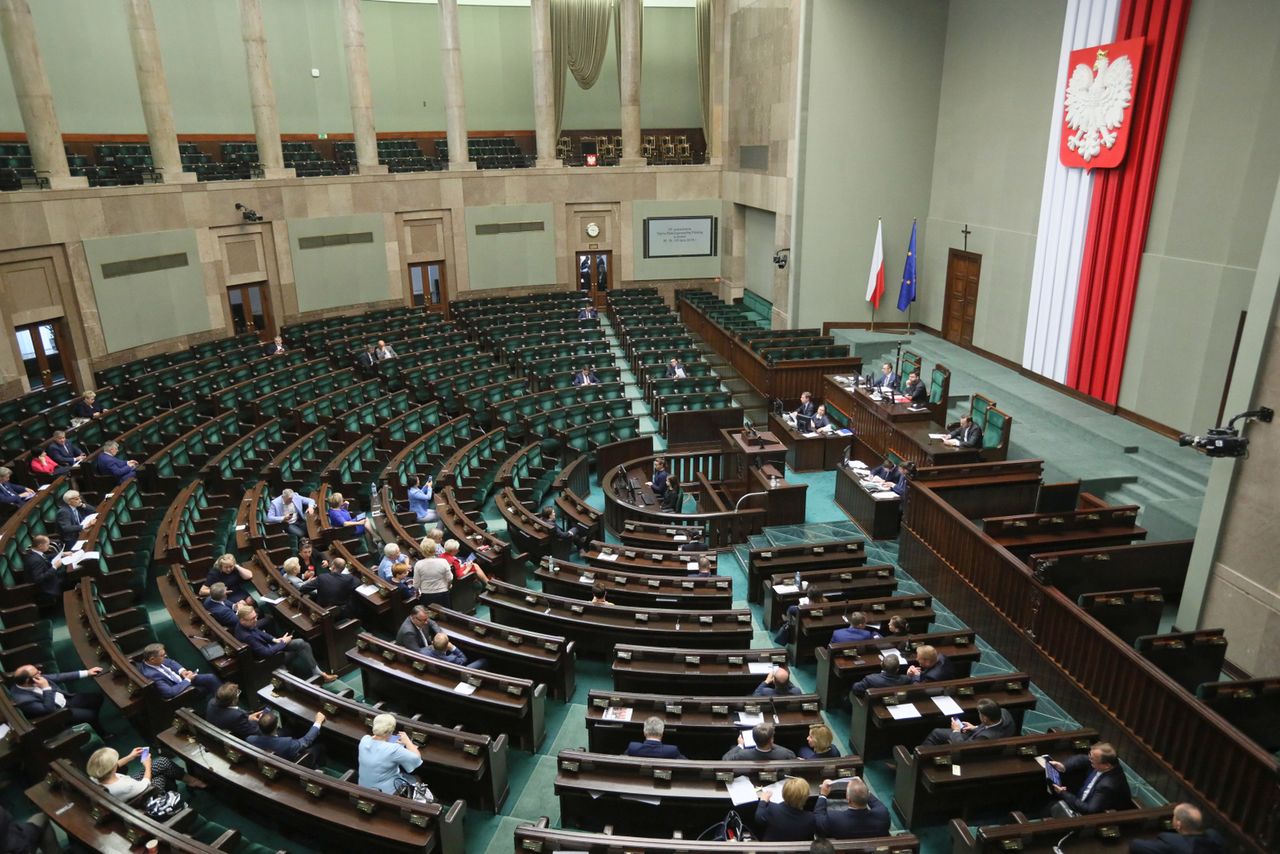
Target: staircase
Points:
(754, 407)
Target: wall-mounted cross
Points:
(966, 232)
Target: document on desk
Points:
(742, 791)
(609, 556)
(760, 668)
(749, 719)
(939, 436)
(885, 495)
(785, 589)
(679, 538)
(691, 566)
(903, 711)
(367, 589)
(902, 656)
(947, 706)
(464, 688)
(617, 713)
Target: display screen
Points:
(680, 237)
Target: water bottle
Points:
(375, 502)
(797, 579)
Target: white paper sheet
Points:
(692, 566)
(367, 589)
(611, 556)
(760, 668)
(680, 538)
(947, 706)
(903, 711)
(748, 739)
(742, 791)
(785, 589)
(643, 799)
(937, 435)
(464, 688)
(748, 719)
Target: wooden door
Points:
(595, 275)
(428, 287)
(45, 355)
(961, 306)
(251, 310)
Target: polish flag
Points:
(875, 281)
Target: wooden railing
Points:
(1176, 742)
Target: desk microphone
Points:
(1057, 849)
(774, 708)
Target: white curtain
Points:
(579, 38)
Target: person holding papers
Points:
(967, 435)
(585, 376)
(73, 517)
(48, 576)
(788, 821)
(11, 493)
(762, 737)
(886, 473)
(993, 722)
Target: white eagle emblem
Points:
(1096, 101)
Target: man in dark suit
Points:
(299, 658)
(930, 666)
(11, 493)
(866, 816)
(652, 745)
(38, 694)
(268, 738)
(586, 376)
(588, 313)
(1105, 786)
(887, 380)
(170, 677)
(888, 677)
(64, 452)
(765, 749)
(335, 588)
(856, 630)
(109, 464)
(916, 390)
(219, 608)
(887, 471)
(967, 435)
(993, 722)
(804, 412)
(1188, 837)
(274, 347)
(368, 358)
(417, 630)
(777, 683)
(675, 369)
(225, 713)
(71, 517)
(47, 578)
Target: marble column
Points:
(455, 106)
(35, 98)
(153, 89)
(361, 92)
(629, 29)
(262, 95)
(544, 90)
(715, 144)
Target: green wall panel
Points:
(648, 269)
(146, 307)
(759, 254)
(515, 259)
(349, 274)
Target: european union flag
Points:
(907, 290)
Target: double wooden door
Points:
(45, 356)
(961, 306)
(594, 275)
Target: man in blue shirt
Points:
(11, 493)
(269, 739)
(110, 464)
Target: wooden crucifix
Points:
(966, 232)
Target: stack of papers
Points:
(610, 556)
(617, 713)
(748, 719)
(903, 711)
(367, 589)
(947, 706)
(760, 668)
(785, 589)
(464, 688)
(937, 435)
(742, 791)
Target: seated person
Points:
(303, 750)
(905, 473)
(917, 391)
(445, 650)
(11, 493)
(109, 463)
(588, 313)
(386, 758)
(340, 515)
(225, 713)
(47, 575)
(788, 821)
(819, 744)
(299, 658)
(1189, 836)
(866, 816)
(782, 636)
(274, 348)
(652, 746)
(158, 775)
(765, 749)
(288, 509)
(820, 422)
(548, 518)
(421, 504)
(401, 577)
(888, 677)
(704, 567)
(291, 569)
(888, 380)
(223, 609)
(675, 370)
(390, 555)
(25, 837)
(779, 683)
(897, 627)
(805, 411)
(1104, 786)
(384, 351)
(86, 409)
(368, 358)
(65, 453)
(43, 464)
(417, 630)
(659, 482)
(335, 589)
(672, 500)
(886, 472)
(73, 517)
(312, 561)
(585, 376)
(993, 722)
(462, 570)
(599, 595)
(38, 694)
(233, 575)
(170, 677)
(930, 666)
(967, 435)
(856, 630)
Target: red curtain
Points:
(1121, 206)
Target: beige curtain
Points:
(579, 38)
(617, 41)
(702, 16)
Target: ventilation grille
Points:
(510, 227)
(754, 157)
(137, 266)
(323, 241)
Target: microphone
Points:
(1057, 849)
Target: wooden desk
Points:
(1092, 834)
(538, 837)
(882, 427)
(809, 453)
(836, 586)
(542, 658)
(817, 621)
(644, 561)
(840, 665)
(575, 581)
(698, 672)
(880, 518)
(772, 560)
(753, 451)
(702, 727)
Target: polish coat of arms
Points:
(1099, 104)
